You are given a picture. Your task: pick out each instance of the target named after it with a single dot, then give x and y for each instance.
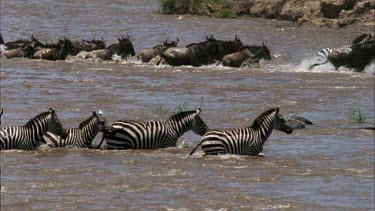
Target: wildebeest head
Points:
(126, 47)
(171, 44)
(228, 47)
(260, 51)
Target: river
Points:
(319, 168)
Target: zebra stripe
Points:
(152, 135)
(244, 141)
(324, 53)
(80, 137)
(28, 137)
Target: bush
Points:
(356, 117)
(226, 13)
(193, 7)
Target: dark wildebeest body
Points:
(203, 53)
(124, 48)
(357, 56)
(227, 47)
(16, 44)
(251, 53)
(195, 54)
(87, 45)
(57, 51)
(148, 54)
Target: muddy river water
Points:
(319, 168)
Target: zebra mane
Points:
(38, 117)
(260, 119)
(86, 122)
(363, 39)
(183, 115)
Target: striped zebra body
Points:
(156, 134)
(244, 141)
(29, 137)
(81, 137)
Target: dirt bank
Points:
(323, 13)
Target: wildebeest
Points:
(87, 45)
(203, 53)
(252, 53)
(124, 48)
(226, 47)
(57, 51)
(357, 56)
(195, 54)
(148, 54)
(27, 50)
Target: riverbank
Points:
(322, 13)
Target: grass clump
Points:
(226, 13)
(216, 8)
(356, 116)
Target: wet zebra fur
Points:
(80, 137)
(156, 134)
(328, 54)
(357, 56)
(29, 136)
(244, 141)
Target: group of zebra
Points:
(46, 130)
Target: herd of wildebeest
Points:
(231, 53)
(46, 129)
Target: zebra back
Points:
(29, 136)
(127, 134)
(79, 137)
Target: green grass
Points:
(356, 117)
(197, 7)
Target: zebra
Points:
(244, 141)
(29, 136)
(356, 56)
(80, 137)
(337, 56)
(127, 134)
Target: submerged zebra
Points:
(357, 56)
(29, 136)
(80, 137)
(244, 141)
(126, 134)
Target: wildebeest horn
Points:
(236, 37)
(101, 37)
(177, 40)
(264, 42)
(166, 41)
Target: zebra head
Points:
(199, 127)
(279, 122)
(102, 121)
(188, 120)
(55, 125)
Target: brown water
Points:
(320, 168)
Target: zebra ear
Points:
(199, 111)
(94, 114)
(277, 109)
(51, 111)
